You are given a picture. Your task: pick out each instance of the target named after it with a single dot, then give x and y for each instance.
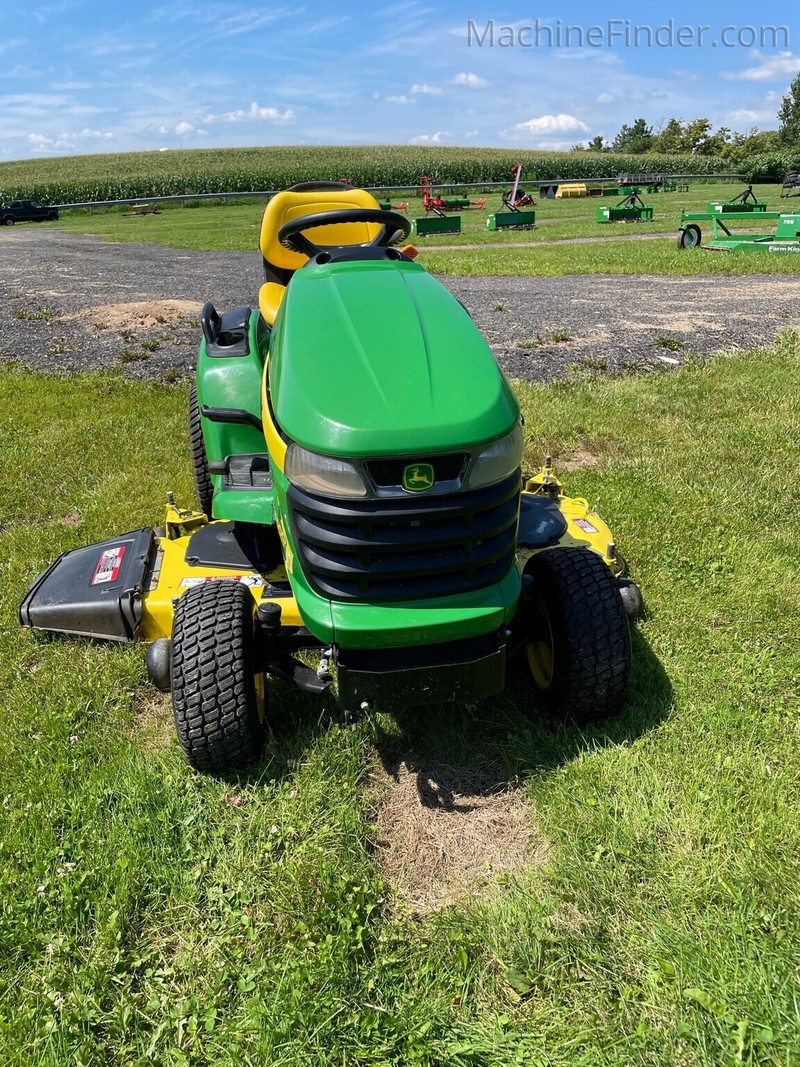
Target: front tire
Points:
(689, 236)
(217, 698)
(579, 654)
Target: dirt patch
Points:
(143, 315)
(444, 833)
(578, 461)
(153, 726)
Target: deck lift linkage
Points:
(517, 203)
(630, 209)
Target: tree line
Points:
(697, 136)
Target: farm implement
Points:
(517, 203)
(740, 208)
(630, 209)
(357, 456)
(785, 239)
(745, 202)
(438, 205)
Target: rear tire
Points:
(204, 487)
(579, 658)
(217, 699)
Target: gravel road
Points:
(72, 303)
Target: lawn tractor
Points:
(362, 525)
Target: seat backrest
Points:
(280, 262)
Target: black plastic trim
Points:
(409, 548)
(227, 334)
(393, 679)
(237, 416)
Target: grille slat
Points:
(427, 535)
(414, 548)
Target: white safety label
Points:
(250, 580)
(585, 525)
(108, 565)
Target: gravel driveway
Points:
(74, 303)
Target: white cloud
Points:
(604, 98)
(402, 99)
(426, 90)
(428, 138)
(747, 115)
(551, 124)
(253, 113)
(472, 80)
(40, 143)
(554, 146)
(769, 68)
(105, 135)
(183, 128)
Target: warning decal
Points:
(107, 569)
(585, 525)
(250, 580)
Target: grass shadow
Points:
(514, 733)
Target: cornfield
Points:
(124, 176)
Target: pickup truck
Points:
(26, 211)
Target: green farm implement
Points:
(742, 207)
(785, 239)
(630, 209)
(433, 225)
(518, 204)
(514, 219)
(745, 202)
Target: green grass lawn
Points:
(152, 915)
(236, 226)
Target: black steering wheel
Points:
(291, 235)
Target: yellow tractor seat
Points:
(280, 263)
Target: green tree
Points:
(669, 139)
(634, 139)
(789, 115)
(597, 144)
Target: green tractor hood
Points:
(375, 357)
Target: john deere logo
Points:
(417, 477)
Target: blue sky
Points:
(80, 76)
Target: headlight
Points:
(322, 474)
(497, 460)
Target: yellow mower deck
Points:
(125, 589)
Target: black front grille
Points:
(406, 549)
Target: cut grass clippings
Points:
(149, 914)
